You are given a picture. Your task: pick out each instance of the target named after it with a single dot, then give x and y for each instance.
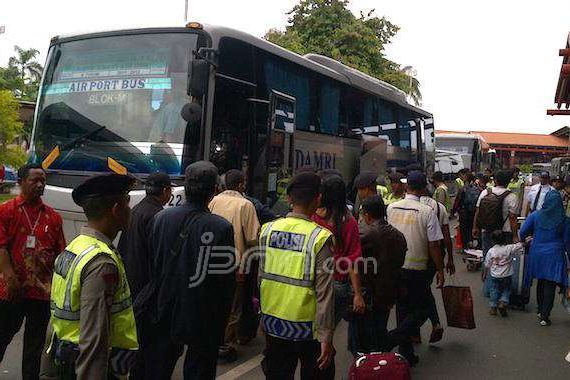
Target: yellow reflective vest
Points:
(459, 183)
(381, 190)
(66, 292)
(288, 300)
(515, 186)
(391, 198)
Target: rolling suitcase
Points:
(520, 294)
(380, 365)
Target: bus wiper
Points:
(74, 142)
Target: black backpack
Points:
(490, 215)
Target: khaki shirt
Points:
(99, 280)
(324, 288)
(240, 212)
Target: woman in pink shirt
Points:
(335, 216)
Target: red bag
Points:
(378, 365)
(458, 239)
(458, 304)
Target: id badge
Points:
(31, 242)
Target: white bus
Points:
(455, 151)
(117, 97)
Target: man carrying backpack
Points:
(466, 204)
(497, 209)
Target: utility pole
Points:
(185, 11)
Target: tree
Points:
(10, 128)
(329, 28)
(23, 74)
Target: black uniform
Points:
(191, 304)
(133, 245)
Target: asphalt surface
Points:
(515, 347)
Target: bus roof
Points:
(320, 64)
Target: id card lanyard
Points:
(31, 238)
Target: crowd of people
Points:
(204, 275)
(489, 207)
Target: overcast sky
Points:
(483, 65)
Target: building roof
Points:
(523, 139)
(527, 139)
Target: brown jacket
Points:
(387, 246)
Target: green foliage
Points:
(23, 74)
(329, 28)
(10, 128)
(525, 168)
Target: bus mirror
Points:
(191, 112)
(198, 75)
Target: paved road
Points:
(500, 348)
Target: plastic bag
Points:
(458, 303)
(458, 239)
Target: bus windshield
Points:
(119, 97)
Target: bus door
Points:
(280, 150)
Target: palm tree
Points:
(413, 89)
(24, 62)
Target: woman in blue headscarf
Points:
(547, 262)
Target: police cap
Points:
(307, 181)
(101, 186)
(365, 179)
(416, 179)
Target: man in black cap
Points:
(94, 329)
(133, 247)
(365, 185)
(193, 299)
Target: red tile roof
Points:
(526, 139)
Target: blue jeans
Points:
(500, 290)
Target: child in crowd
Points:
(499, 264)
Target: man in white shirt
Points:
(419, 224)
(537, 193)
(447, 251)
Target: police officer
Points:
(297, 289)
(94, 332)
(398, 188)
(516, 186)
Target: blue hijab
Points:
(552, 214)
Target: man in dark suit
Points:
(195, 272)
(137, 256)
